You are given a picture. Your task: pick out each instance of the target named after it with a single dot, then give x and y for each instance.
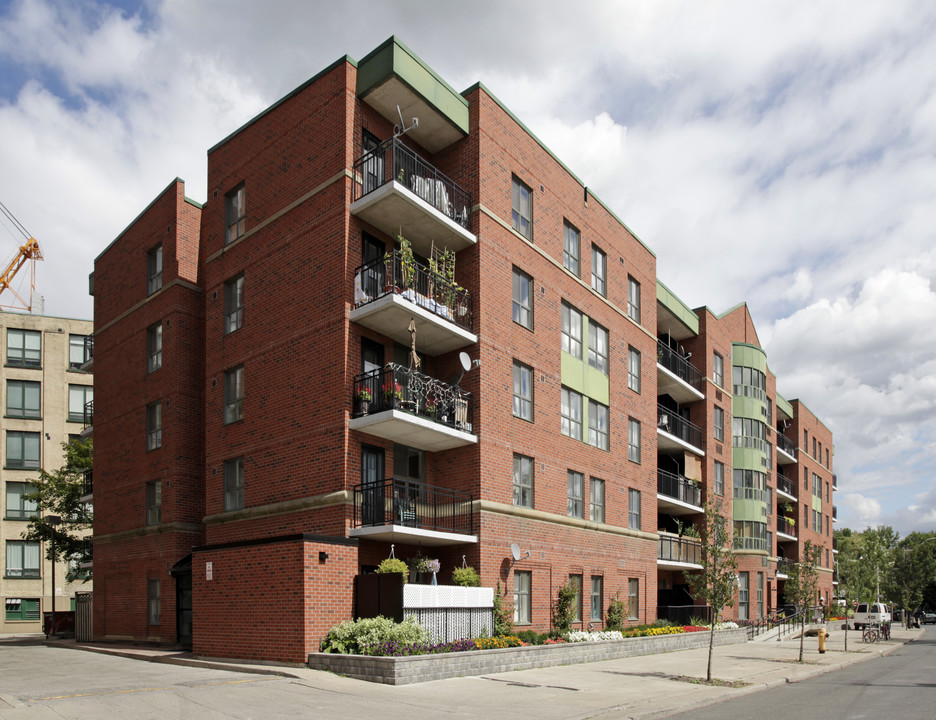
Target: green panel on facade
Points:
(748, 407)
(817, 503)
(748, 356)
(752, 510)
(748, 459)
(393, 58)
(572, 372)
(784, 406)
(677, 307)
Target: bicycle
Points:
(885, 631)
(871, 634)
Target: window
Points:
(597, 425)
(234, 395)
(154, 426)
(633, 598)
(633, 440)
(576, 505)
(234, 484)
(597, 347)
(523, 481)
(719, 430)
(805, 440)
(22, 559)
(18, 507)
(571, 414)
(233, 304)
(760, 595)
(718, 370)
(571, 331)
(814, 447)
(597, 587)
(24, 348)
(522, 299)
(154, 267)
(805, 517)
(576, 582)
(599, 278)
(827, 457)
(633, 369)
(571, 249)
(521, 597)
(23, 399)
(522, 391)
(152, 601)
(633, 509)
(22, 609)
(521, 216)
(633, 299)
(719, 478)
(154, 347)
(235, 203)
(744, 612)
(22, 450)
(78, 397)
(77, 352)
(596, 509)
(154, 502)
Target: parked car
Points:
(929, 618)
(870, 614)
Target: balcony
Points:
(786, 527)
(401, 511)
(390, 292)
(679, 552)
(88, 419)
(786, 450)
(834, 482)
(400, 193)
(834, 514)
(676, 376)
(87, 486)
(87, 363)
(674, 432)
(86, 560)
(408, 407)
(786, 487)
(677, 495)
(783, 567)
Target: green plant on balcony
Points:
(407, 262)
(466, 577)
(393, 565)
(363, 398)
(392, 392)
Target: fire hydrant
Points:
(822, 637)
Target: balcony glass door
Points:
(372, 477)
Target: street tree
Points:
(802, 584)
(58, 493)
(715, 583)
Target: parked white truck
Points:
(870, 614)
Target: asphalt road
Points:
(899, 687)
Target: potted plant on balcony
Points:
(363, 398)
(393, 393)
(466, 577)
(425, 568)
(394, 565)
(407, 263)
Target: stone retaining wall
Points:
(422, 668)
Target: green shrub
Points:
(562, 610)
(615, 618)
(466, 577)
(394, 565)
(531, 637)
(353, 637)
(503, 614)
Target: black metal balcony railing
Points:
(679, 549)
(786, 485)
(678, 365)
(392, 160)
(785, 525)
(88, 484)
(784, 565)
(679, 488)
(88, 347)
(785, 444)
(88, 414)
(673, 423)
(834, 482)
(834, 512)
(395, 387)
(416, 283)
(413, 504)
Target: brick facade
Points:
(313, 216)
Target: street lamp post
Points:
(54, 521)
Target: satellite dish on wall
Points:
(514, 548)
(465, 361)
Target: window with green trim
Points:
(22, 609)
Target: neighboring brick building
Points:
(46, 386)
(262, 432)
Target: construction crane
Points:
(28, 252)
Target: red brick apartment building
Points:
(265, 430)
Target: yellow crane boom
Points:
(28, 252)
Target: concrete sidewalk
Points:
(642, 687)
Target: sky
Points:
(781, 154)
